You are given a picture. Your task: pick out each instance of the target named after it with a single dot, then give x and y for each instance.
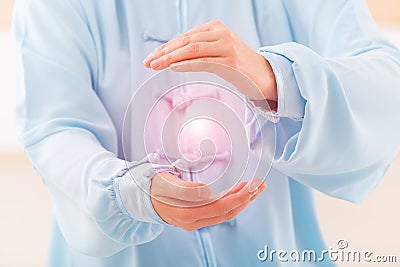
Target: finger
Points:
(173, 201)
(209, 26)
(215, 220)
(260, 190)
(206, 64)
(180, 42)
(219, 219)
(236, 188)
(168, 186)
(254, 184)
(188, 52)
(250, 186)
(223, 205)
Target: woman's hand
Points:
(213, 42)
(177, 202)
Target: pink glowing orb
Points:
(203, 137)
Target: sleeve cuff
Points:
(133, 190)
(290, 102)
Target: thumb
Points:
(166, 185)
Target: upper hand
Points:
(213, 42)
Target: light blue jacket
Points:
(78, 63)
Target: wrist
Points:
(266, 81)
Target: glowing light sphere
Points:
(200, 124)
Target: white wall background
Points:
(25, 206)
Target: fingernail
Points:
(254, 185)
(262, 189)
(155, 64)
(147, 60)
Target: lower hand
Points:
(175, 201)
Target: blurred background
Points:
(26, 209)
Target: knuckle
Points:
(194, 48)
(230, 215)
(217, 22)
(166, 58)
(186, 40)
